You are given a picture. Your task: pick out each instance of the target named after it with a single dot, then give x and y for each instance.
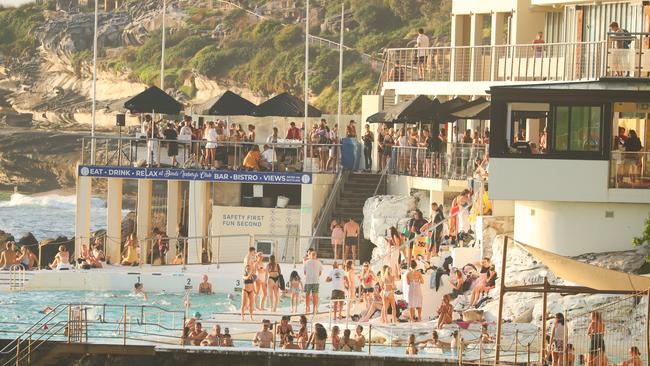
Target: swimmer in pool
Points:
(47, 310)
(205, 287)
(138, 289)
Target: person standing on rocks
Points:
(351, 230)
(313, 269)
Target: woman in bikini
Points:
(318, 338)
(248, 293)
(273, 270)
(394, 248)
(368, 280)
(445, 312)
(295, 284)
(388, 295)
(302, 336)
(260, 281)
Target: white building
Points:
(578, 84)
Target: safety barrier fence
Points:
(629, 170)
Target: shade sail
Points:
(285, 105)
(231, 104)
(584, 274)
(420, 109)
(476, 109)
(153, 100)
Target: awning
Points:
(476, 109)
(153, 100)
(597, 278)
(285, 105)
(420, 109)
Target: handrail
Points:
(52, 314)
(327, 209)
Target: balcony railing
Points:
(629, 170)
(459, 162)
(287, 156)
(500, 63)
(628, 55)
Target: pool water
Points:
(22, 309)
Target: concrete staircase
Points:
(357, 188)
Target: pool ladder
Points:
(17, 278)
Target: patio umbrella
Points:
(420, 109)
(285, 105)
(153, 99)
(231, 104)
(476, 109)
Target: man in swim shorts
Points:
(313, 269)
(351, 230)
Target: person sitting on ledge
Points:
(264, 337)
(130, 253)
(61, 260)
(213, 339)
(197, 335)
(226, 340)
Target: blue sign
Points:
(194, 174)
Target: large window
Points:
(577, 128)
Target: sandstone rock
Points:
(17, 120)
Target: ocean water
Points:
(46, 216)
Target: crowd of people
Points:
(219, 145)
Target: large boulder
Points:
(382, 212)
(5, 237)
(28, 240)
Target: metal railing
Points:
(629, 170)
(286, 156)
(326, 211)
(522, 62)
(457, 163)
(97, 323)
(628, 55)
(137, 325)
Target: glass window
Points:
(561, 124)
(577, 128)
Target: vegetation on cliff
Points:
(263, 55)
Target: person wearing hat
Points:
(189, 323)
(205, 288)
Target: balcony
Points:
(629, 170)
(471, 70)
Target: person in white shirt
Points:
(313, 269)
(421, 43)
(186, 130)
(211, 145)
(339, 280)
(269, 158)
(273, 138)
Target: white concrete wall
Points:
(569, 228)
(557, 180)
(321, 186)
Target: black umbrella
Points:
(476, 109)
(285, 105)
(420, 109)
(153, 99)
(231, 104)
(443, 114)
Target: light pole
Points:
(93, 143)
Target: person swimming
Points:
(205, 287)
(138, 289)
